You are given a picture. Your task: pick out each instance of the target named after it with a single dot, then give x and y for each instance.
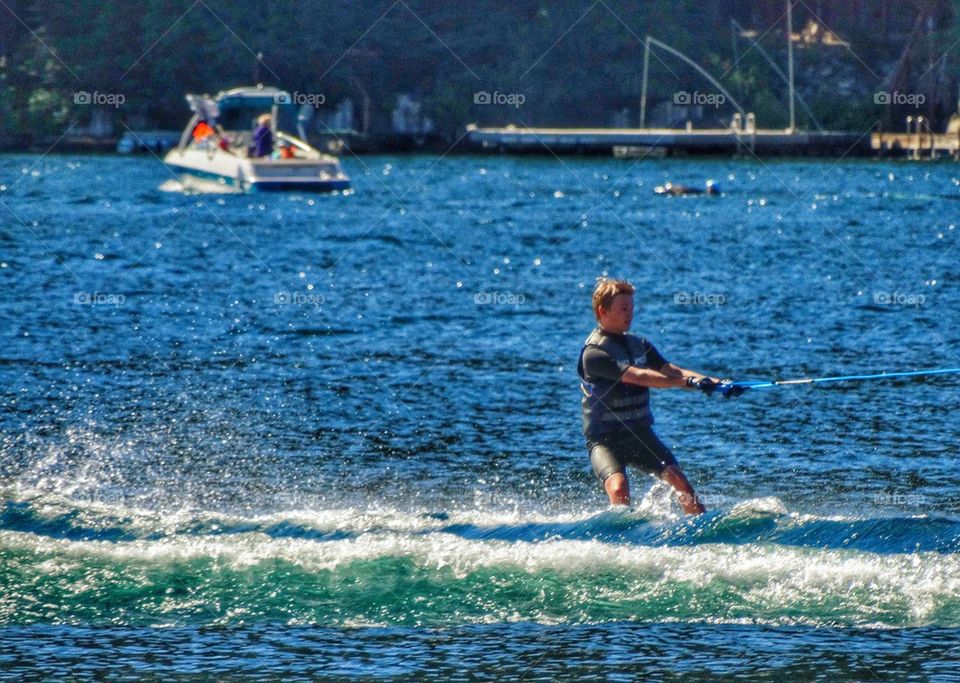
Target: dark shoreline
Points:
(404, 145)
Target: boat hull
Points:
(217, 169)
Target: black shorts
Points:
(640, 448)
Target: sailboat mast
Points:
(793, 118)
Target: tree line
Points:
(566, 63)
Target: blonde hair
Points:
(605, 291)
(263, 118)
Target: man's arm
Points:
(672, 370)
(600, 364)
(669, 376)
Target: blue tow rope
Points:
(735, 388)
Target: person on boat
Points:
(262, 138)
(672, 190)
(204, 131)
(617, 371)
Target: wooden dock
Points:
(917, 145)
(658, 142)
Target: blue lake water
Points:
(338, 436)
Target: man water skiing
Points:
(617, 371)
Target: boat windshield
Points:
(244, 119)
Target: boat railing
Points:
(298, 143)
(187, 136)
(239, 141)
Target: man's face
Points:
(618, 317)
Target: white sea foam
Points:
(756, 580)
(764, 578)
(98, 513)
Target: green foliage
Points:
(451, 103)
(47, 111)
(7, 115)
(837, 113)
(574, 63)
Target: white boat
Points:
(215, 146)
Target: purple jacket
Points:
(262, 142)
